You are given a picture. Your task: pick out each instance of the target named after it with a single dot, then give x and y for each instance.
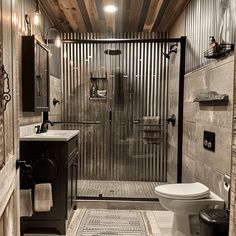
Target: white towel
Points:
(43, 197)
(26, 208)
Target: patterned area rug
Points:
(112, 223)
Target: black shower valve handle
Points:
(55, 101)
(171, 119)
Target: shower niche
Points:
(98, 87)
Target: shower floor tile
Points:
(117, 189)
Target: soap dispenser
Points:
(93, 91)
(213, 44)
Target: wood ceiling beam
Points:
(85, 15)
(153, 12)
(172, 13)
(56, 16)
(126, 9)
(160, 15)
(101, 15)
(136, 9)
(93, 14)
(73, 14)
(143, 15)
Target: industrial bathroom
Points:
(117, 117)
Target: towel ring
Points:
(44, 170)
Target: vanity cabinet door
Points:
(72, 182)
(35, 75)
(41, 91)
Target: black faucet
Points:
(44, 126)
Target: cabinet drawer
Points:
(72, 146)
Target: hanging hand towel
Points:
(26, 208)
(43, 197)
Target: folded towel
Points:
(26, 208)
(102, 93)
(43, 197)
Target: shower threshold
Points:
(117, 190)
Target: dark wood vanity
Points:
(62, 174)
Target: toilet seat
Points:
(183, 191)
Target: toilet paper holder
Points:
(227, 181)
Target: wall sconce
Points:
(57, 40)
(28, 24)
(37, 14)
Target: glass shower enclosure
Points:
(116, 93)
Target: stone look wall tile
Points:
(55, 92)
(190, 111)
(220, 160)
(189, 169)
(200, 164)
(171, 164)
(173, 109)
(189, 139)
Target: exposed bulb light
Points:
(37, 14)
(36, 19)
(110, 8)
(58, 42)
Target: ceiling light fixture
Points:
(110, 8)
(37, 14)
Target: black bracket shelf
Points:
(98, 98)
(219, 51)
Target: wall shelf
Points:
(219, 51)
(97, 99)
(211, 97)
(95, 78)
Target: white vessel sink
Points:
(51, 135)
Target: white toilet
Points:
(185, 200)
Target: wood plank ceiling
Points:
(132, 15)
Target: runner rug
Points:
(103, 222)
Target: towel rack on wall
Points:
(86, 122)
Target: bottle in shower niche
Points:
(93, 91)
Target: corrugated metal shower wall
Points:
(136, 82)
(206, 18)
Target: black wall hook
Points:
(23, 165)
(171, 120)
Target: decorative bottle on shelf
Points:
(93, 91)
(213, 44)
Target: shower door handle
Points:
(110, 116)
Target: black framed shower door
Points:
(136, 85)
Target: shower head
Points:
(112, 52)
(167, 55)
(173, 45)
